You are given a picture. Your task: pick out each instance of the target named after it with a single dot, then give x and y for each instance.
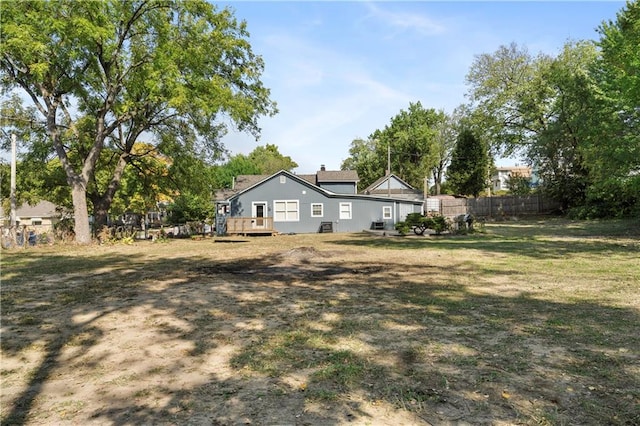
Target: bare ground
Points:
(325, 330)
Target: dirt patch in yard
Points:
(323, 329)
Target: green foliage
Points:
(438, 224)
(414, 138)
(365, 158)
(612, 150)
(190, 208)
(402, 227)
(574, 117)
(611, 198)
(537, 107)
(237, 165)
(263, 160)
(519, 185)
(103, 73)
(269, 160)
(420, 223)
(468, 172)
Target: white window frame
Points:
(387, 212)
(321, 209)
(290, 212)
(345, 212)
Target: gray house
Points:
(288, 203)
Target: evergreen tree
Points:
(469, 168)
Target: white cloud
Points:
(405, 21)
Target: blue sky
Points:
(340, 70)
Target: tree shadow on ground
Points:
(307, 340)
(535, 246)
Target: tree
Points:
(538, 107)
(411, 137)
(519, 184)
(612, 150)
(21, 122)
(444, 143)
(237, 165)
(468, 172)
(190, 208)
(147, 182)
(364, 158)
(269, 160)
(101, 74)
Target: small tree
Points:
(519, 184)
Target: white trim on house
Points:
(346, 210)
(314, 213)
(286, 210)
(254, 205)
(387, 212)
(292, 205)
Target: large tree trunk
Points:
(80, 214)
(100, 212)
(102, 202)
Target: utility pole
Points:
(12, 228)
(389, 169)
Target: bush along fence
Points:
(498, 206)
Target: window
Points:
(283, 179)
(386, 212)
(286, 211)
(317, 210)
(345, 210)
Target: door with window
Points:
(259, 212)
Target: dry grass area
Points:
(534, 323)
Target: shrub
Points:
(438, 223)
(402, 228)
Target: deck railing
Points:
(250, 225)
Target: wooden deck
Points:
(250, 226)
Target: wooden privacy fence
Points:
(498, 206)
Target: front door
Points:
(259, 210)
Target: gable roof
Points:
(301, 179)
(376, 185)
(41, 209)
(243, 182)
(312, 179)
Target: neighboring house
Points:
(42, 216)
(336, 181)
(501, 175)
(288, 203)
(392, 186)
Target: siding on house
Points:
(42, 215)
(298, 206)
(502, 175)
